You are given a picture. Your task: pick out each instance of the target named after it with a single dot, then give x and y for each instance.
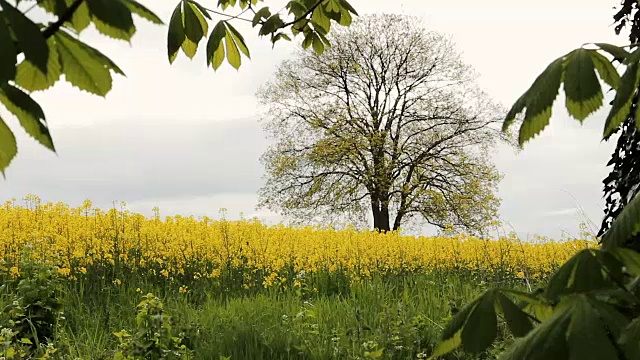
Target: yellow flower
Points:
(14, 272)
(117, 282)
(83, 269)
(65, 271)
(184, 289)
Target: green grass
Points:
(401, 315)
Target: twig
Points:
(230, 17)
(33, 6)
(304, 16)
(66, 16)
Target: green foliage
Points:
(593, 298)
(475, 327)
(155, 337)
(30, 320)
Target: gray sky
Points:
(188, 140)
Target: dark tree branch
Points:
(50, 30)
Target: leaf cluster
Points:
(590, 309)
(156, 335)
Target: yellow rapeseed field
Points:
(77, 239)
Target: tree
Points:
(391, 124)
(34, 55)
(590, 308)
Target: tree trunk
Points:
(398, 220)
(380, 216)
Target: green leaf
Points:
(233, 55)
(472, 327)
(31, 78)
(318, 45)
(629, 258)
(194, 27)
(112, 18)
(8, 146)
(447, 346)
(215, 48)
(238, 39)
(28, 112)
(8, 55)
(537, 101)
(624, 94)
(139, 9)
(626, 225)
(271, 25)
(578, 329)
(55, 7)
(308, 39)
(517, 320)
(630, 339)
(545, 341)
(263, 13)
(28, 36)
(617, 52)
(532, 304)
(81, 18)
(457, 322)
(279, 36)
(176, 35)
(613, 320)
(82, 65)
(204, 11)
(607, 72)
(345, 4)
(582, 273)
(581, 85)
(586, 335)
(320, 19)
(296, 8)
(481, 327)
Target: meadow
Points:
(118, 285)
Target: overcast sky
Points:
(188, 140)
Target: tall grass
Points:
(402, 315)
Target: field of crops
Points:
(286, 293)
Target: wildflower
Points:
(83, 270)
(14, 272)
(117, 282)
(65, 271)
(183, 289)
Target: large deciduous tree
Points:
(387, 121)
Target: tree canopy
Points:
(35, 55)
(392, 125)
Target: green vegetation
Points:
(393, 317)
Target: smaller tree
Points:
(389, 122)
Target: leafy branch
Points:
(64, 17)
